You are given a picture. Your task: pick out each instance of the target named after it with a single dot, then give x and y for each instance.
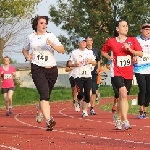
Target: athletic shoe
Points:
(126, 125)
(114, 108)
(77, 106)
(141, 114)
(92, 112)
(7, 113)
(10, 111)
(84, 114)
(50, 124)
(118, 124)
(39, 117)
(144, 115)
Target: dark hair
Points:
(34, 21)
(89, 37)
(116, 34)
(6, 57)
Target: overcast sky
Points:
(43, 9)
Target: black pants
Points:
(143, 81)
(44, 80)
(119, 82)
(72, 81)
(83, 83)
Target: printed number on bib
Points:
(83, 71)
(123, 61)
(42, 56)
(146, 58)
(7, 76)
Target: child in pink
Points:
(7, 73)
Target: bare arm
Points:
(68, 69)
(26, 54)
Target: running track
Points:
(72, 132)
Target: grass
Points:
(24, 95)
(133, 109)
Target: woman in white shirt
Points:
(43, 64)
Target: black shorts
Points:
(44, 80)
(119, 82)
(72, 81)
(5, 90)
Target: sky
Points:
(43, 9)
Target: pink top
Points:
(7, 77)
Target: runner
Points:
(116, 93)
(95, 71)
(122, 50)
(82, 59)
(43, 64)
(72, 82)
(7, 88)
(142, 71)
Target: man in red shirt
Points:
(122, 50)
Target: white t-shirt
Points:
(43, 54)
(80, 56)
(143, 65)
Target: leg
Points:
(87, 88)
(4, 91)
(142, 90)
(147, 95)
(116, 98)
(93, 96)
(119, 83)
(10, 94)
(73, 89)
(79, 86)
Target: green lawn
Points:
(24, 95)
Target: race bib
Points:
(145, 59)
(123, 61)
(7, 76)
(84, 71)
(42, 56)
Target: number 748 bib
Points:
(123, 61)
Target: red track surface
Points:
(72, 132)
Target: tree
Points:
(17, 8)
(97, 18)
(14, 19)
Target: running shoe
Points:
(126, 125)
(7, 113)
(92, 112)
(141, 114)
(50, 124)
(118, 124)
(77, 106)
(10, 111)
(39, 115)
(84, 114)
(144, 115)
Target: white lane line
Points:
(81, 134)
(9, 147)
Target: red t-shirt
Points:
(7, 77)
(122, 64)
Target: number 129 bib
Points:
(123, 61)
